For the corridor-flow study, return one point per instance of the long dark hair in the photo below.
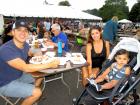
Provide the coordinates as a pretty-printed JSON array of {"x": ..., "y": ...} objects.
[
  {"x": 8, "y": 29},
  {"x": 90, "y": 39}
]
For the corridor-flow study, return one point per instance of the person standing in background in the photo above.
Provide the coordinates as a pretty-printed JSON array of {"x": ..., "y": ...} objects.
[
  {"x": 47, "y": 24},
  {"x": 110, "y": 30}
]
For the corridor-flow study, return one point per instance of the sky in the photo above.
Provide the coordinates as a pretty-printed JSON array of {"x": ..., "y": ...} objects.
[
  {"x": 90, "y": 4},
  {"x": 77, "y": 4}
]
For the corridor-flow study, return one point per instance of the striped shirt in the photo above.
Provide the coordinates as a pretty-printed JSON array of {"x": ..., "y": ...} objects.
[{"x": 115, "y": 73}]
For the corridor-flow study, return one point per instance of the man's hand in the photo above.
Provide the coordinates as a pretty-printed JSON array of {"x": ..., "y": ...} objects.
[
  {"x": 50, "y": 43},
  {"x": 54, "y": 63}
]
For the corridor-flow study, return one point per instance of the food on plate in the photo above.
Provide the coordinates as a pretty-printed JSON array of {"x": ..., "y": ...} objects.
[
  {"x": 77, "y": 59},
  {"x": 39, "y": 59},
  {"x": 45, "y": 58},
  {"x": 78, "y": 55}
]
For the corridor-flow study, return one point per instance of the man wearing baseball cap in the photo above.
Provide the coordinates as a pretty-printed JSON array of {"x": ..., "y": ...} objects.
[
  {"x": 20, "y": 23},
  {"x": 15, "y": 78}
]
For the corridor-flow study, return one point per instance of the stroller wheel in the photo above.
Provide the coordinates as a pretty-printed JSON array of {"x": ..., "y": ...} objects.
[
  {"x": 74, "y": 101},
  {"x": 129, "y": 100}
]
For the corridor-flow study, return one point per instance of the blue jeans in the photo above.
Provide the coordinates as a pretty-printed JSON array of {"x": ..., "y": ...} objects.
[{"x": 21, "y": 87}]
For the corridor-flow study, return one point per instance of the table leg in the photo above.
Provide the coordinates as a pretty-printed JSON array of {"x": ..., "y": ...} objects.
[{"x": 62, "y": 79}]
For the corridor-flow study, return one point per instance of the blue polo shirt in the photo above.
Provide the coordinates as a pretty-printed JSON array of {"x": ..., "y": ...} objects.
[
  {"x": 9, "y": 51},
  {"x": 63, "y": 38}
]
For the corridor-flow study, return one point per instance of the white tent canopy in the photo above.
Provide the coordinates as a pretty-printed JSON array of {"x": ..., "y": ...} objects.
[
  {"x": 124, "y": 21},
  {"x": 46, "y": 11}
]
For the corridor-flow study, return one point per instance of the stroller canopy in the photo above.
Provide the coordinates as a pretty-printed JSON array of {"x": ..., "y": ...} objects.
[{"x": 129, "y": 44}]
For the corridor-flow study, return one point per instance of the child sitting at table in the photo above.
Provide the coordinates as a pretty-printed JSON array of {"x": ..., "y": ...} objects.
[
  {"x": 113, "y": 73},
  {"x": 47, "y": 34}
]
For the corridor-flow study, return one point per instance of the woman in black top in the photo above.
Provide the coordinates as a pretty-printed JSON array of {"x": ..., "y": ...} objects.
[
  {"x": 97, "y": 50},
  {"x": 98, "y": 58}
]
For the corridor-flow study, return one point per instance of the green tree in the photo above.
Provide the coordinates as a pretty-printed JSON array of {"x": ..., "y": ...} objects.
[
  {"x": 114, "y": 8},
  {"x": 134, "y": 14},
  {"x": 64, "y": 3},
  {"x": 93, "y": 11}
]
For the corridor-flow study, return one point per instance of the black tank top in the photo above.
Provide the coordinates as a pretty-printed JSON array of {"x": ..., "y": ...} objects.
[{"x": 98, "y": 58}]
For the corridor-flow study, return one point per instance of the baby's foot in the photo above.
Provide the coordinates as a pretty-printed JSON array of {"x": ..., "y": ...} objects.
[
  {"x": 92, "y": 81},
  {"x": 98, "y": 87}
]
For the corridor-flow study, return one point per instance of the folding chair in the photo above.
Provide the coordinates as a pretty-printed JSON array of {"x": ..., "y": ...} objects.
[{"x": 9, "y": 101}]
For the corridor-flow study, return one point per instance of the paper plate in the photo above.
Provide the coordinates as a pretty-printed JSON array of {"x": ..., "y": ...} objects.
[
  {"x": 77, "y": 55},
  {"x": 36, "y": 60},
  {"x": 50, "y": 54},
  {"x": 78, "y": 60}
]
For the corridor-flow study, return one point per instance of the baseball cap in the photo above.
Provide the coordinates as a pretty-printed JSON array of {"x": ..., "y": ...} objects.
[{"x": 20, "y": 23}]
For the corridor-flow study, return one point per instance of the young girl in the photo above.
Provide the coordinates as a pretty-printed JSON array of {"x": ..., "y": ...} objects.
[{"x": 114, "y": 73}]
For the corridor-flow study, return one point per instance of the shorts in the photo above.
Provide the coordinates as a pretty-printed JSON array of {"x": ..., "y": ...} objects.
[{"x": 22, "y": 87}]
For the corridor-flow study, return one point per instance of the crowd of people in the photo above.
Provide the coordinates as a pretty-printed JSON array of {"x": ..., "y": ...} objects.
[{"x": 19, "y": 75}]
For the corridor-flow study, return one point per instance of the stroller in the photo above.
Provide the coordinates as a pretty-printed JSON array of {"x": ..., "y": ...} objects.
[{"x": 126, "y": 86}]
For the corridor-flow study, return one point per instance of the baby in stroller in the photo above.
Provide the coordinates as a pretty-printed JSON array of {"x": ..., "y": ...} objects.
[
  {"x": 113, "y": 73},
  {"x": 121, "y": 80}
]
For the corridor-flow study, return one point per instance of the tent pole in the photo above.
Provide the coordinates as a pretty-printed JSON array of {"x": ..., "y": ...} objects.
[{"x": 52, "y": 20}]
